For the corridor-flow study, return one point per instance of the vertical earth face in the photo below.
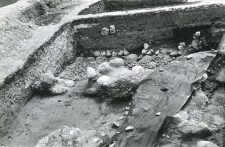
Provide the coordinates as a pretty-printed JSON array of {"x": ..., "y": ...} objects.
[
  {"x": 116, "y": 5},
  {"x": 134, "y": 73},
  {"x": 7, "y": 2}
]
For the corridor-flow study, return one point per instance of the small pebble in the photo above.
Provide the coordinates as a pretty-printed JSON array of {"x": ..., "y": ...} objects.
[
  {"x": 160, "y": 70},
  {"x": 127, "y": 108},
  {"x": 121, "y": 118},
  {"x": 67, "y": 104},
  {"x": 116, "y": 125},
  {"x": 146, "y": 109},
  {"x": 114, "y": 54},
  {"x": 112, "y": 145},
  {"x": 157, "y": 52},
  {"x": 158, "y": 114},
  {"x": 125, "y": 52},
  {"x": 189, "y": 58},
  {"x": 126, "y": 113},
  {"x": 120, "y": 53},
  {"x": 146, "y": 46},
  {"x": 104, "y": 122},
  {"x": 129, "y": 128}
]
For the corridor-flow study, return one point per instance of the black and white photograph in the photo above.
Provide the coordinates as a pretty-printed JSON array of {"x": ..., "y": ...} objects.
[{"x": 112, "y": 73}]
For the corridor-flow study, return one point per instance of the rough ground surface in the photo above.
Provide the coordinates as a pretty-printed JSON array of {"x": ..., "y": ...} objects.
[
  {"x": 165, "y": 92},
  {"x": 203, "y": 116},
  {"x": 43, "y": 115}
]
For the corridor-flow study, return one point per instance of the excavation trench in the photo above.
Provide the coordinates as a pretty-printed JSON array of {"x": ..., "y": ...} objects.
[{"x": 82, "y": 35}]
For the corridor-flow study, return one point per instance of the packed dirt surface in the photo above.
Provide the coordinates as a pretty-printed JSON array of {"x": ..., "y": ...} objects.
[{"x": 43, "y": 115}]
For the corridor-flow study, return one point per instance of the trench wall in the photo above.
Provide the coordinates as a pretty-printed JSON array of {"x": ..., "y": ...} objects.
[
  {"x": 95, "y": 8},
  {"x": 120, "y": 5},
  {"x": 116, "y": 5},
  {"x": 52, "y": 57},
  {"x": 134, "y": 29}
]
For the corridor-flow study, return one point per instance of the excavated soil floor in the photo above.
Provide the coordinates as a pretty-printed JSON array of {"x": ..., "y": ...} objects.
[{"x": 43, "y": 115}]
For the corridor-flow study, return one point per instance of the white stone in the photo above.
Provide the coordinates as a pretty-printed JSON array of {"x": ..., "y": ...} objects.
[
  {"x": 116, "y": 124},
  {"x": 206, "y": 144},
  {"x": 146, "y": 59},
  {"x": 97, "y": 53},
  {"x": 65, "y": 135},
  {"x": 103, "y": 68},
  {"x": 192, "y": 127},
  {"x": 126, "y": 113},
  {"x": 157, "y": 52},
  {"x": 69, "y": 83},
  {"x": 146, "y": 46},
  {"x": 58, "y": 89},
  {"x": 108, "y": 53},
  {"x": 120, "y": 53},
  {"x": 218, "y": 120},
  {"x": 158, "y": 114},
  {"x": 65, "y": 82},
  {"x": 204, "y": 77},
  {"x": 180, "y": 48},
  {"x": 97, "y": 141},
  {"x": 121, "y": 118},
  {"x": 117, "y": 62},
  {"x": 91, "y": 73},
  {"x": 138, "y": 69},
  {"x": 129, "y": 128},
  {"x": 105, "y": 31},
  {"x": 149, "y": 53},
  {"x": 198, "y": 33},
  {"x": 112, "y": 29},
  {"x": 144, "y": 52},
  {"x": 103, "y": 53},
  {"x": 161, "y": 70},
  {"x": 125, "y": 52},
  {"x": 174, "y": 54},
  {"x": 112, "y": 145},
  {"x": 48, "y": 78},
  {"x": 131, "y": 58},
  {"x": 104, "y": 80},
  {"x": 151, "y": 50},
  {"x": 114, "y": 54},
  {"x": 183, "y": 44},
  {"x": 182, "y": 115},
  {"x": 189, "y": 57}
]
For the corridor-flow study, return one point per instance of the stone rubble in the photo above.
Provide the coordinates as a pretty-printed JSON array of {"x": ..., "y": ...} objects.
[
  {"x": 73, "y": 137},
  {"x": 206, "y": 144},
  {"x": 117, "y": 81},
  {"x": 49, "y": 84},
  {"x": 129, "y": 128}
]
